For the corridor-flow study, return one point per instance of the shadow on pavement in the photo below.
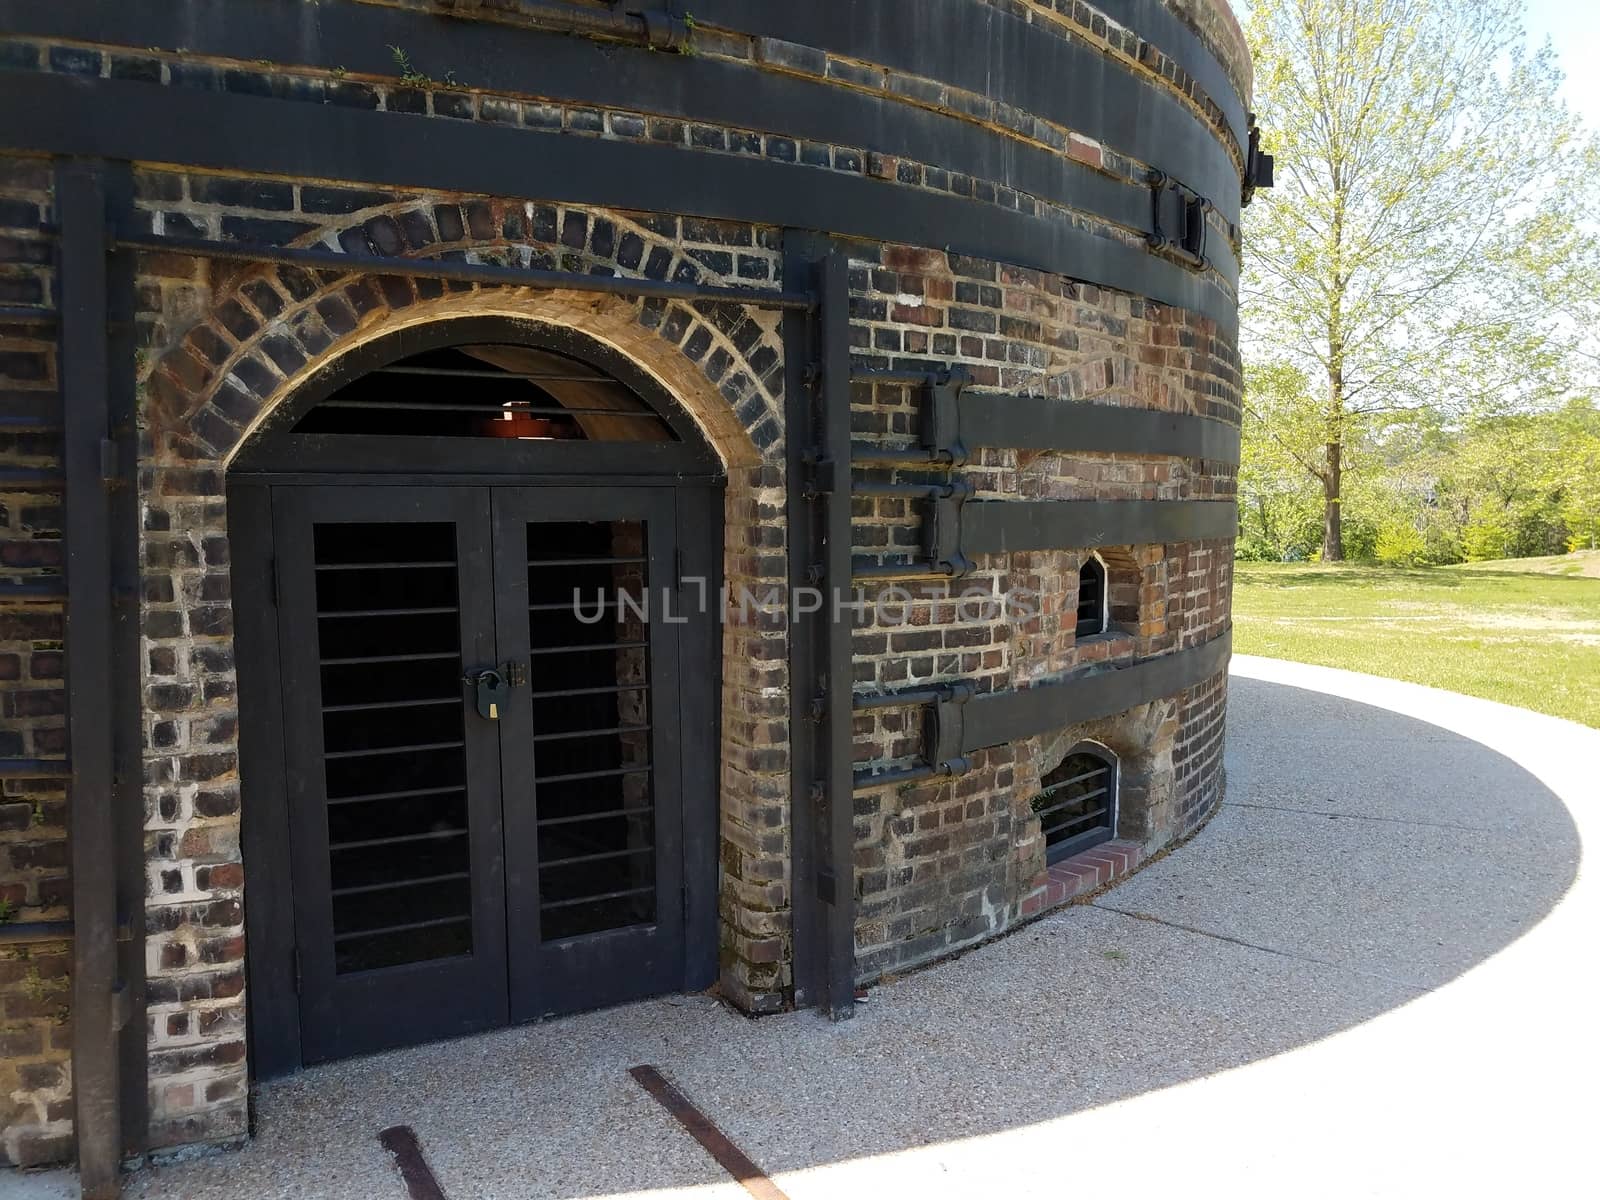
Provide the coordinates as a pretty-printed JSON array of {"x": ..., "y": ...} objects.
[{"x": 1363, "y": 859}]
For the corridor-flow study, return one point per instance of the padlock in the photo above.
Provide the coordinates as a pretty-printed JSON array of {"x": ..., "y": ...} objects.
[{"x": 491, "y": 687}]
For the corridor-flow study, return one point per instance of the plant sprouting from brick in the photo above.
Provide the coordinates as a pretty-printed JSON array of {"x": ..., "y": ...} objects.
[
  {"x": 408, "y": 73},
  {"x": 340, "y": 72},
  {"x": 412, "y": 77},
  {"x": 8, "y": 912},
  {"x": 35, "y": 987}
]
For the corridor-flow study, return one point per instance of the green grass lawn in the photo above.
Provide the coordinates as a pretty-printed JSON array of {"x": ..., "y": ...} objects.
[{"x": 1522, "y": 632}]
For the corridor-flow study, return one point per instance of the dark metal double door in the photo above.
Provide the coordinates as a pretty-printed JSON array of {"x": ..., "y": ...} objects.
[{"x": 481, "y": 744}]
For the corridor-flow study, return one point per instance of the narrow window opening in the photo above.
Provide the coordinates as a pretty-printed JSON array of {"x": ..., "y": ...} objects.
[
  {"x": 1077, "y": 802},
  {"x": 1091, "y": 597}
]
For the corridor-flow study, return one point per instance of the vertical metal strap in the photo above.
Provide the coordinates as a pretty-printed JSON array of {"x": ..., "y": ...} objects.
[
  {"x": 128, "y": 732},
  {"x": 800, "y": 250},
  {"x": 81, "y": 208},
  {"x": 836, "y": 815}
]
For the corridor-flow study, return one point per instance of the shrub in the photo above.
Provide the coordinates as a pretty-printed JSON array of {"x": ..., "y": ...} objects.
[{"x": 1399, "y": 544}]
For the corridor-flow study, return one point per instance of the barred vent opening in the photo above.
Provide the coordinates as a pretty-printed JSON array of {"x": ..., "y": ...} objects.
[
  {"x": 1091, "y": 597},
  {"x": 489, "y": 391},
  {"x": 1077, "y": 803}
]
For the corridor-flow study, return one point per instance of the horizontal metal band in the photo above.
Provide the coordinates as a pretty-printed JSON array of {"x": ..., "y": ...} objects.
[
  {"x": 322, "y": 259},
  {"x": 1040, "y": 423},
  {"x": 1001, "y": 717},
  {"x": 1010, "y": 526},
  {"x": 27, "y": 314},
  {"x": 24, "y": 933},
  {"x": 578, "y": 71},
  {"x": 1158, "y": 24},
  {"x": 141, "y": 122},
  {"x": 35, "y": 768},
  {"x": 982, "y": 49},
  {"x": 500, "y": 58}
]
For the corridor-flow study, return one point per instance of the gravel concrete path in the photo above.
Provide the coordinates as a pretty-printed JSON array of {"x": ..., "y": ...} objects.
[{"x": 1371, "y": 974}]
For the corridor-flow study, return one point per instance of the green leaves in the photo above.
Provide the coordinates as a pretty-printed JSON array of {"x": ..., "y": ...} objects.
[{"x": 1430, "y": 243}]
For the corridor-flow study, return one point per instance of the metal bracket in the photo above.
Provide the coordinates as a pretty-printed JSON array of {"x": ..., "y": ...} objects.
[
  {"x": 941, "y": 416},
  {"x": 826, "y": 478},
  {"x": 942, "y": 727},
  {"x": 941, "y": 530},
  {"x": 1257, "y": 165},
  {"x": 662, "y": 30},
  {"x": 1185, "y": 234}
]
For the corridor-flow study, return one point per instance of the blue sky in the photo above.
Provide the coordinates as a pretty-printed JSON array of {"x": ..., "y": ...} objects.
[{"x": 1573, "y": 27}]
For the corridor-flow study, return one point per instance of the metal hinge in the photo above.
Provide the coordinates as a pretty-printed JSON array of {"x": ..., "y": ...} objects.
[
  {"x": 824, "y": 477},
  {"x": 941, "y": 529},
  {"x": 943, "y": 729},
  {"x": 941, "y": 416},
  {"x": 1178, "y": 219},
  {"x": 108, "y": 460},
  {"x": 295, "y": 966}
]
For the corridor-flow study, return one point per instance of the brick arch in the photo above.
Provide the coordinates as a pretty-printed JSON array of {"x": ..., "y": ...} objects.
[
  {"x": 1141, "y": 738},
  {"x": 268, "y": 327},
  {"x": 240, "y": 341}
]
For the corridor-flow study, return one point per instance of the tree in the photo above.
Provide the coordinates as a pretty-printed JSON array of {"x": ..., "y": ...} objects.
[
  {"x": 1277, "y": 501},
  {"x": 1579, "y": 426},
  {"x": 1424, "y": 242}
]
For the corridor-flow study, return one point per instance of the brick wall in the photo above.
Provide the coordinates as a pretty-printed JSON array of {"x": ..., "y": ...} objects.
[
  {"x": 35, "y": 1087},
  {"x": 939, "y": 864},
  {"x": 944, "y": 863}
]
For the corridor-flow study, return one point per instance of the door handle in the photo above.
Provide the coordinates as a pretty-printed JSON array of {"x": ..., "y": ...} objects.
[{"x": 490, "y": 687}]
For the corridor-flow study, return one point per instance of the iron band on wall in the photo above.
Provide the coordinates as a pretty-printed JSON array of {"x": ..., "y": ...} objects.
[
  {"x": 1083, "y": 92},
  {"x": 1007, "y": 526},
  {"x": 954, "y": 417},
  {"x": 957, "y": 722},
  {"x": 956, "y": 527},
  {"x": 969, "y": 45},
  {"x": 144, "y": 122},
  {"x": 488, "y": 273},
  {"x": 1000, "y": 717}
]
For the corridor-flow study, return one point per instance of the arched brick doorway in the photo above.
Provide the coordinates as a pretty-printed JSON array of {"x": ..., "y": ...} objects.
[{"x": 478, "y": 677}]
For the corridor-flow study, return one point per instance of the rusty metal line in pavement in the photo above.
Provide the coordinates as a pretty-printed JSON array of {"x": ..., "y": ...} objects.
[
  {"x": 701, "y": 1127},
  {"x": 401, "y": 1142}
]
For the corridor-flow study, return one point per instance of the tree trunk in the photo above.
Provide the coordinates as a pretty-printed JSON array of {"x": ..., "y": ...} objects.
[
  {"x": 1332, "y": 521},
  {"x": 1333, "y": 467}
]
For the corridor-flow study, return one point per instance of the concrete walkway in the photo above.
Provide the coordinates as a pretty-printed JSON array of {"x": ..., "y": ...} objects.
[{"x": 1371, "y": 974}]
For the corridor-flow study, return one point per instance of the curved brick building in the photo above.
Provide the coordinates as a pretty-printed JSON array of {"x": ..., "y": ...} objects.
[{"x": 513, "y": 506}]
